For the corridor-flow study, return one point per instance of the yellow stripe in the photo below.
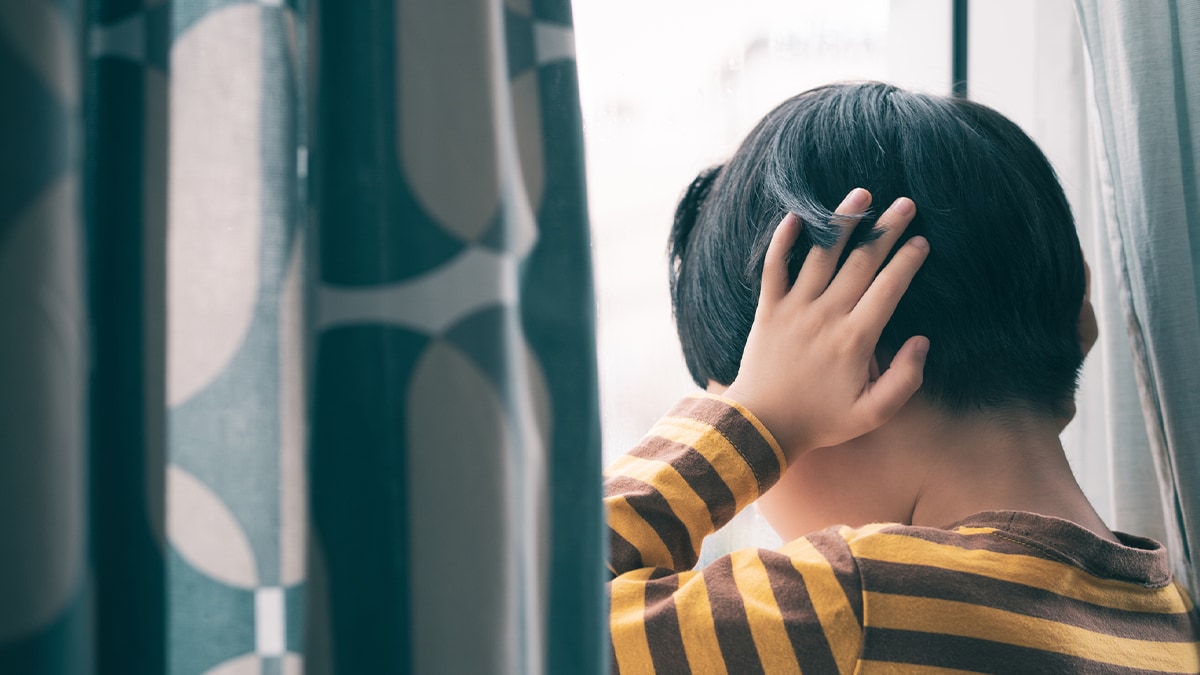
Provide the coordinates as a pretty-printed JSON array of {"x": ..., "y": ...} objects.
[
  {"x": 687, "y": 505},
  {"x": 750, "y": 417},
  {"x": 627, "y": 622},
  {"x": 829, "y": 601},
  {"x": 1056, "y": 577},
  {"x": 635, "y": 530},
  {"x": 968, "y": 620},
  {"x": 713, "y": 446},
  {"x": 762, "y": 613},
  {"x": 1183, "y": 595},
  {"x": 851, "y": 533},
  {"x": 974, "y": 530},
  {"x": 893, "y": 668},
  {"x": 696, "y": 625}
]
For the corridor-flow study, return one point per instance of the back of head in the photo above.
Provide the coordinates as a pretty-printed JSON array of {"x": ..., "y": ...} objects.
[{"x": 1000, "y": 293}]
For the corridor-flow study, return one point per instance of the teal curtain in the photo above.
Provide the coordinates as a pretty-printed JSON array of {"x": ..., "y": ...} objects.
[
  {"x": 44, "y": 343},
  {"x": 297, "y": 349},
  {"x": 1144, "y": 61}
]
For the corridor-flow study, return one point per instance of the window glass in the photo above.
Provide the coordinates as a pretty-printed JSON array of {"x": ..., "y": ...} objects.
[{"x": 668, "y": 88}]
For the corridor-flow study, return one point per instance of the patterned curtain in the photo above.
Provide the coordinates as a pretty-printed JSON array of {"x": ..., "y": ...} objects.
[{"x": 296, "y": 362}]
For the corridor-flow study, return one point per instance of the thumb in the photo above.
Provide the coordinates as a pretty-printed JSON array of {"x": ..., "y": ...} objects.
[{"x": 884, "y": 397}]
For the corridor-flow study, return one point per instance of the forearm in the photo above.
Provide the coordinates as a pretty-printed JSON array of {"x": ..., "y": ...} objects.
[
  {"x": 701, "y": 464},
  {"x": 773, "y": 611},
  {"x": 754, "y": 610}
]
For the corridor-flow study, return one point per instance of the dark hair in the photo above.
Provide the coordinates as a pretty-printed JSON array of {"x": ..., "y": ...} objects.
[{"x": 1000, "y": 294}]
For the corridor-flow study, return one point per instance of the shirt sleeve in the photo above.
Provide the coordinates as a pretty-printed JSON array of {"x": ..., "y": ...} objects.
[{"x": 751, "y": 611}]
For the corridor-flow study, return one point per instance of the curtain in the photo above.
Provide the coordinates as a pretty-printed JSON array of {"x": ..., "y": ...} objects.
[
  {"x": 297, "y": 365},
  {"x": 1145, "y": 70}
]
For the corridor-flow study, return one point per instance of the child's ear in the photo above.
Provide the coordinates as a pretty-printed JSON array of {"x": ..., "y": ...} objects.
[{"x": 1089, "y": 331}]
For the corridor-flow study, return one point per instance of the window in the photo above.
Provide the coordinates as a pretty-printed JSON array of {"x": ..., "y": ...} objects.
[{"x": 669, "y": 87}]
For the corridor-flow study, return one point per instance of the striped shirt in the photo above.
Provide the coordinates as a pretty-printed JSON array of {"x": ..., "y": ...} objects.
[{"x": 1006, "y": 592}]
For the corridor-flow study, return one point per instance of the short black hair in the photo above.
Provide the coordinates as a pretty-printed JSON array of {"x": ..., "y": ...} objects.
[{"x": 1000, "y": 294}]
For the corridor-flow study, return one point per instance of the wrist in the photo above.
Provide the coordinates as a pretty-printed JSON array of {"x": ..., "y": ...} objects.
[{"x": 774, "y": 423}]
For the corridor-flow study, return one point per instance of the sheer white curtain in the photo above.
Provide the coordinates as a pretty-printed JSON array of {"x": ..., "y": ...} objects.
[
  {"x": 1109, "y": 90},
  {"x": 1145, "y": 67}
]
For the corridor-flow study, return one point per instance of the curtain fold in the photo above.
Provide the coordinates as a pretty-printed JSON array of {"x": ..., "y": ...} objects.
[
  {"x": 1145, "y": 68},
  {"x": 125, "y": 208},
  {"x": 44, "y": 587},
  {"x": 235, "y": 423},
  {"x": 297, "y": 365}
]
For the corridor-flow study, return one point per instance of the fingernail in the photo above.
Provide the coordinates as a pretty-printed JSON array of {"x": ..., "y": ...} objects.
[
  {"x": 922, "y": 347},
  {"x": 903, "y": 206},
  {"x": 919, "y": 242},
  {"x": 857, "y": 198}
]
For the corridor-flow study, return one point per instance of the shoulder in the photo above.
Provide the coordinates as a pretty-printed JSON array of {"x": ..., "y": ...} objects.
[
  {"x": 893, "y": 559},
  {"x": 900, "y": 542},
  {"x": 916, "y": 556},
  {"x": 897, "y": 543}
]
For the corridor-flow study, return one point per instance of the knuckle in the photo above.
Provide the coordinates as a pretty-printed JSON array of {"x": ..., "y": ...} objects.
[
  {"x": 855, "y": 345},
  {"x": 819, "y": 256},
  {"x": 862, "y": 263},
  {"x": 914, "y": 381},
  {"x": 876, "y": 416},
  {"x": 887, "y": 285},
  {"x": 914, "y": 254}
]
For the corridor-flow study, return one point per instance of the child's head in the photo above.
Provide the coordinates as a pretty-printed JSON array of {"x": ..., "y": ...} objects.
[{"x": 999, "y": 296}]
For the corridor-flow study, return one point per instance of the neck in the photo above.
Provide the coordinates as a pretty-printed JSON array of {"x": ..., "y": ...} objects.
[
  {"x": 927, "y": 468},
  {"x": 963, "y": 466}
]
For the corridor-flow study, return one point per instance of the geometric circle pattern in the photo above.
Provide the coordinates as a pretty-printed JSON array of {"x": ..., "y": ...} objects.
[{"x": 405, "y": 397}]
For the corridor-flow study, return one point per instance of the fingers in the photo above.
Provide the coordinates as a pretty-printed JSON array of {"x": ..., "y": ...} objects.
[
  {"x": 884, "y": 397},
  {"x": 821, "y": 263},
  {"x": 876, "y": 306},
  {"x": 775, "y": 268},
  {"x": 862, "y": 263}
]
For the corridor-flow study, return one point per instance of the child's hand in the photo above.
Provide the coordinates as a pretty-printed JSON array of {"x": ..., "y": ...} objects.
[{"x": 807, "y": 370}]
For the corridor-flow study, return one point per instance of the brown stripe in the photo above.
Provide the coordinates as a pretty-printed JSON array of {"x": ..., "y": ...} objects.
[
  {"x": 934, "y": 582},
  {"x": 834, "y": 548},
  {"x": 743, "y": 435},
  {"x": 1135, "y": 559},
  {"x": 799, "y": 617},
  {"x": 973, "y": 654},
  {"x": 659, "y": 448},
  {"x": 697, "y": 472},
  {"x": 623, "y": 555},
  {"x": 654, "y": 508},
  {"x": 968, "y": 542},
  {"x": 729, "y": 616},
  {"x": 662, "y": 627}
]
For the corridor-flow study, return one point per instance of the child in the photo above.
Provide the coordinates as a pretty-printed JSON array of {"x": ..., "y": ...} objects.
[{"x": 891, "y": 390}]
